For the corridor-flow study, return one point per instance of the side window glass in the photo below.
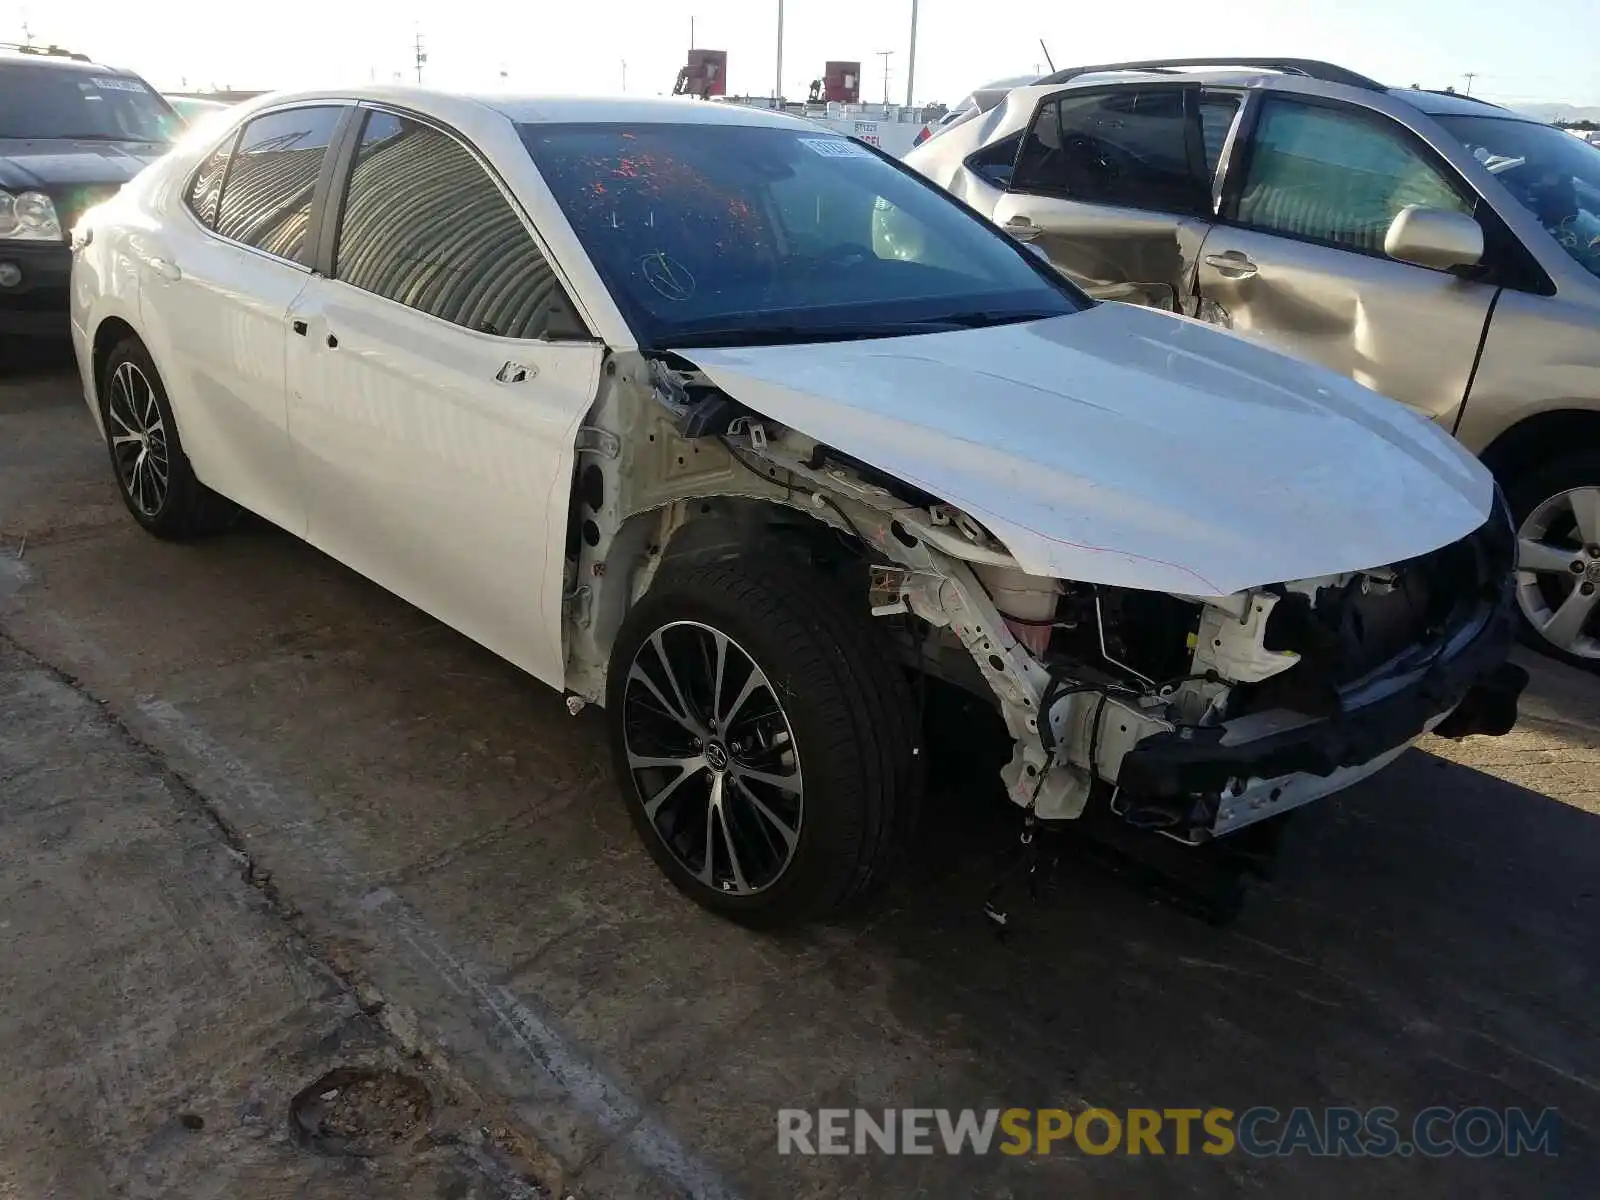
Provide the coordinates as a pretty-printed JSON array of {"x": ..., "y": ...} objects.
[
  {"x": 994, "y": 162},
  {"x": 1217, "y": 113},
  {"x": 206, "y": 187},
  {"x": 266, "y": 195},
  {"x": 1334, "y": 176},
  {"x": 425, "y": 226},
  {"x": 1128, "y": 148}
]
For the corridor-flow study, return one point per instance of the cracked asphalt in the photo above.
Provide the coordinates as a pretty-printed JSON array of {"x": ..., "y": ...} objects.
[{"x": 259, "y": 819}]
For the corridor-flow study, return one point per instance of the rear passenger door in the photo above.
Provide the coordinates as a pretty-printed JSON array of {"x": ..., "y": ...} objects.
[
  {"x": 438, "y": 374},
  {"x": 216, "y": 282},
  {"x": 1115, "y": 186},
  {"x": 1297, "y": 257}
]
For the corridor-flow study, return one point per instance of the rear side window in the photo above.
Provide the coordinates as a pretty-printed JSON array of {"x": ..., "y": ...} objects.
[
  {"x": 266, "y": 193},
  {"x": 1128, "y": 147},
  {"x": 994, "y": 162},
  {"x": 1336, "y": 176},
  {"x": 205, "y": 189},
  {"x": 425, "y": 226}
]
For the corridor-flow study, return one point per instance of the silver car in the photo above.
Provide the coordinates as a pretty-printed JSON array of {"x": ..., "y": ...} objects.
[{"x": 1437, "y": 248}]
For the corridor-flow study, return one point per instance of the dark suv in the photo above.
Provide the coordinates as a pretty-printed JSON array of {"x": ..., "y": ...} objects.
[{"x": 71, "y": 133}]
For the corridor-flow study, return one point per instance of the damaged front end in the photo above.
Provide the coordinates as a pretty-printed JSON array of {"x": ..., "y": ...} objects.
[
  {"x": 1291, "y": 692},
  {"x": 1195, "y": 717},
  {"x": 1191, "y": 715}
]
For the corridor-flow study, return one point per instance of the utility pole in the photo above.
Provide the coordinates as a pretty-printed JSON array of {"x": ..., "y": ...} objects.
[
  {"x": 911, "y": 66},
  {"x": 884, "y": 54},
  {"x": 691, "y": 33},
  {"x": 777, "y": 85},
  {"x": 422, "y": 57},
  {"x": 1470, "y": 76}
]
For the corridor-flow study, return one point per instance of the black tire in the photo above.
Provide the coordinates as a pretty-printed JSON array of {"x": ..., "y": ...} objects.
[
  {"x": 184, "y": 507},
  {"x": 1525, "y": 493},
  {"x": 849, "y": 708}
]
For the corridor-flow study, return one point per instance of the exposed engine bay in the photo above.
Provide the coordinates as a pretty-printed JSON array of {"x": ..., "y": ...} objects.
[{"x": 1194, "y": 715}]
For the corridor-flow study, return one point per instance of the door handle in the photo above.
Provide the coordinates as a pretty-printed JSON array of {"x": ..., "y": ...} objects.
[
  {"x": 1235, "y": 264},
  {"x": 515, "y": 372},
  {"x": 1022, "y": 228},
  {"x": 299, "y": 327}
]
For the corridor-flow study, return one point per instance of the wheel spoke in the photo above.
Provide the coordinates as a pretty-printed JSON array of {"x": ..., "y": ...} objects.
[
  {"x": 707, "y": 874},
  {"x": 716, "y": 678},
  {"x": 751, "y": 685},
  {"x": 739, "y": 881},
  {"x": 667, "y": 709},
  {"x": 686, "y": 714},
  {"x": 788, "y": 833},
  {"x": 1586, "y": 512},
  {"x": 1542, "y": 557},
  {"x": 687, "y": 768},
  {"x": 784, "y": 783},
  {"x": 1566, "y": 626},
  {"x": 116, "y": 413}
]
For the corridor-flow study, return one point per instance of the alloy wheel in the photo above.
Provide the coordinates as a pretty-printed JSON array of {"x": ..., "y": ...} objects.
[
  {"x": 1558, "y": 571},
  {"x": 138, "y": 439},
  {"x": 713, "y": 758}
]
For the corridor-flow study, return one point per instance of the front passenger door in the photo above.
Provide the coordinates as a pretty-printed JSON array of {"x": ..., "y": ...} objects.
[
  {"x": 437, "y": 380},
  {"x": 1298, "y": 258},
  {"x": 1113, "y": 185}
]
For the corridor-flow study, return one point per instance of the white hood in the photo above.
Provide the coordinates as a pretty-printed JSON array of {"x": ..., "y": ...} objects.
[{"x": 1128, "y": 447}]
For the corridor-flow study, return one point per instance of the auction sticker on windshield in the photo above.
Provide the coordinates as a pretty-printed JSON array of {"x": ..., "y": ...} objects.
[{"x": 836, "y": 147}]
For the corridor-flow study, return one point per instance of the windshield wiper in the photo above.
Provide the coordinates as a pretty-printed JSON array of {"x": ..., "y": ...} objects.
[
  {"x": 785, "y": 335},
  {"x": 779, "y": 335},
  {"x": 978, "y": 318}
]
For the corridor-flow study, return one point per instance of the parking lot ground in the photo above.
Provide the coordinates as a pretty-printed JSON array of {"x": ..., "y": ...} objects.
[{"x": 445, "y": 841}]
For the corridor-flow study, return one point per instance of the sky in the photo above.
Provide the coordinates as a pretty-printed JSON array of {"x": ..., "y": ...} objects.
[{"x": 1533, "y": 51}]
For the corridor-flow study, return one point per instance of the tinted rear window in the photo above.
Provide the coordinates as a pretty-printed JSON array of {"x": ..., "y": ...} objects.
[{"x": 39, "y": 100}]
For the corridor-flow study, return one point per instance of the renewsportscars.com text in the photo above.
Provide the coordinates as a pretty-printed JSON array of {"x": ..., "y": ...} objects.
[{"x": 1260, "y": 1132}]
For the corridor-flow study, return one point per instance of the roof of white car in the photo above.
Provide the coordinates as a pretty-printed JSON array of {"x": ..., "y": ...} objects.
[
  {"x": 633, "y": 110},
  {"x": 593, "y": 110}
]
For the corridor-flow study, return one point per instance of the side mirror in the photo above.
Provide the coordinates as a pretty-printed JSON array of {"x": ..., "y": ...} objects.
[{"x": 1434, "y": 237}]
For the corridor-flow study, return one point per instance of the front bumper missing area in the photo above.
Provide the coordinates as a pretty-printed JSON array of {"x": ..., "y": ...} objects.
[{"x": 1201, "y": 782}]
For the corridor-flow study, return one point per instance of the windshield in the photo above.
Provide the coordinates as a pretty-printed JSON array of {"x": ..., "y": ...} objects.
[
  {"x": 724, "y": 234},
  {"x": 1551, "y": 173},
  {"x": 46, "y": 101}
]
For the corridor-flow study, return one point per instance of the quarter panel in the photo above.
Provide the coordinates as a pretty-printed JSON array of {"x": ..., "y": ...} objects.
[{"x": 1542, "y": 353}]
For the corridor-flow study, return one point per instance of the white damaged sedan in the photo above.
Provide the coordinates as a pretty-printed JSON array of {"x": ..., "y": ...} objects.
[{"x": 734, "y": 427}]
